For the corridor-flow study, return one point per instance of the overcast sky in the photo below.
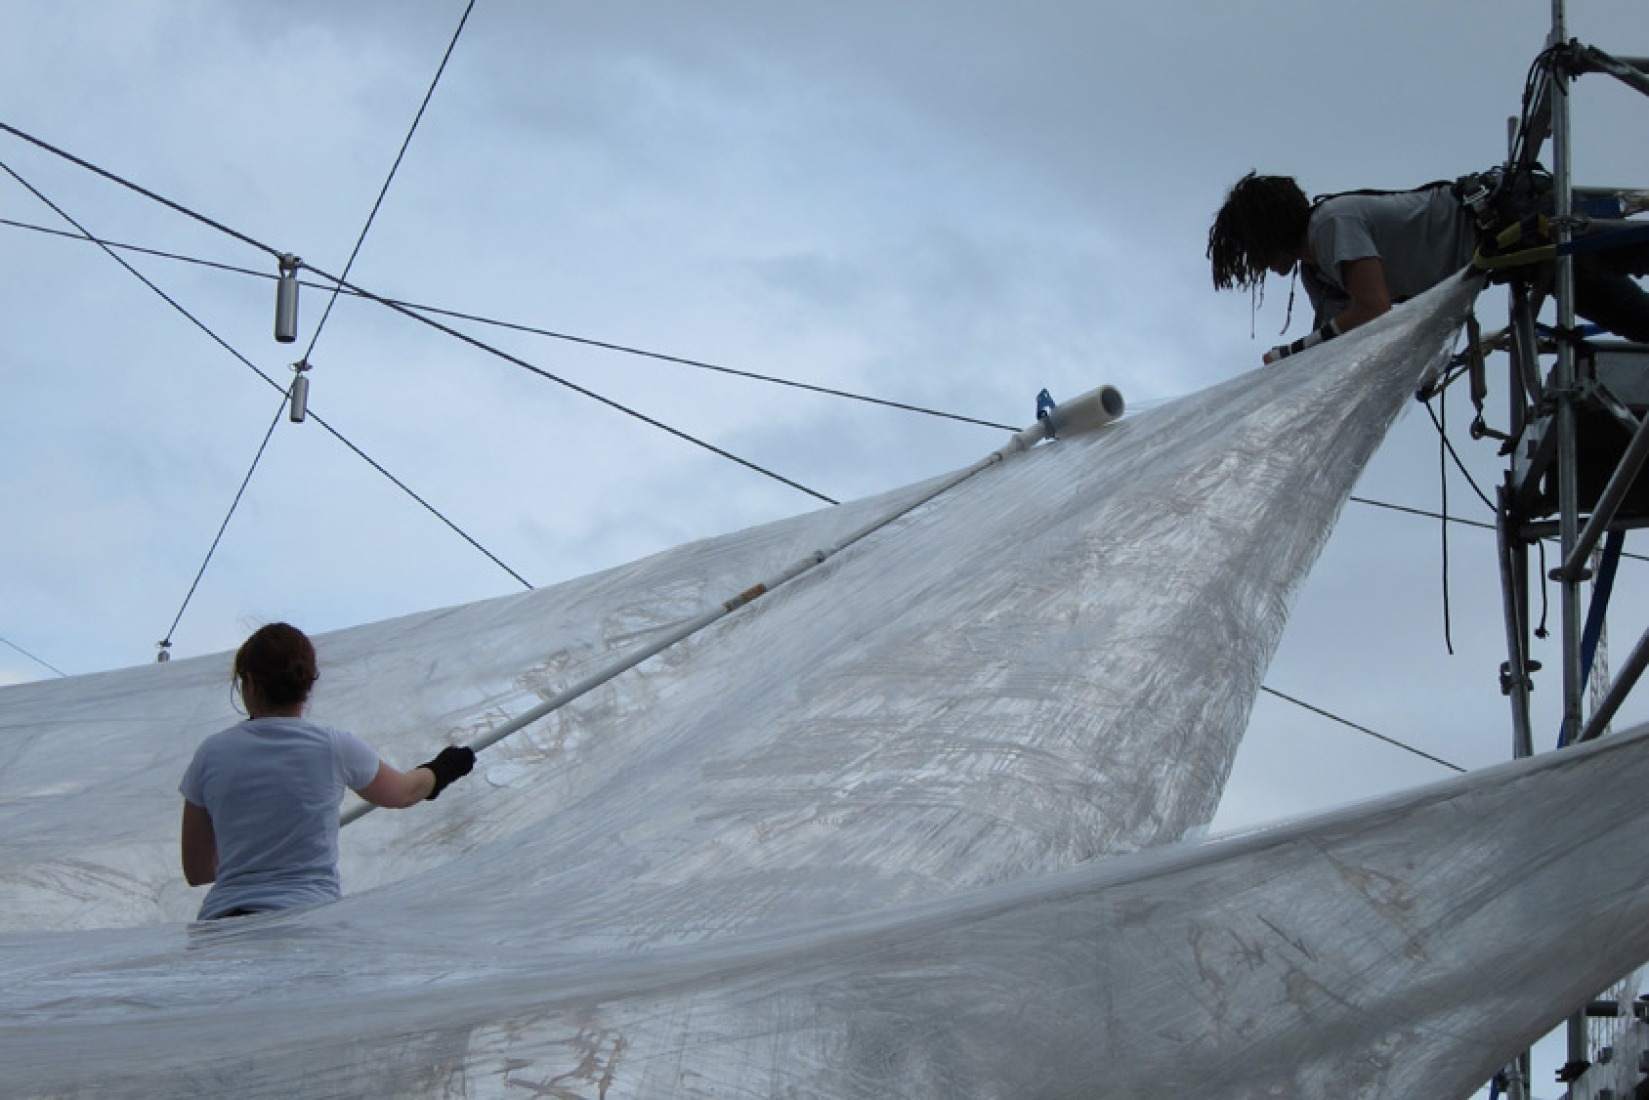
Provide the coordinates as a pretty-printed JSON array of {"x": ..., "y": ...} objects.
[{"x": 951, "y": 205}]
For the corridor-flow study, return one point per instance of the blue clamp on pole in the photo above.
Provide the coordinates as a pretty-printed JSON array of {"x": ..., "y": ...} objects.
[{"x": 1045, "y": 406}]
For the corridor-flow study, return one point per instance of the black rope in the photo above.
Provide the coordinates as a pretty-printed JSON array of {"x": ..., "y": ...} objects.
[
  {"x": 166, "y": 642},
  {"x": 104, "y": 243},
  {"x": 110, "y": 252},
  {"x": 1545, "y": 606},
  {"x": 430, "y": 508},
  {"x": 603, "y": 345},
  {"x": 617, "y": 406},
  {"x": 1521, "y": 154},
  {"x": 414, "y": 311},
  {"x": 1361, "y": 729},
  {"x": 472, "y": 341},
  {"x": 1459, "y": 465},
  {"x": 144, "y": 191},
  {"x": 1443, "y": 504},
  {"x": 701, "y": 365},
  {"x": 393, "y": 168},
  {"x": 479, "y": 319},
  {"x": 1457, "y": 368},
  {"x": 39, "y": 661},
  {"x": 1455, "y": 520},
  {"x": 1423, "y": 513},
  {"x": 255, "y": 369}
]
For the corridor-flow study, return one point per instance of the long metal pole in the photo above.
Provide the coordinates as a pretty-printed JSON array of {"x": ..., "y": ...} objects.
[
  {"x": 1618, "y": 691},
  {"x": 1568, "y": 480},
  {"x": 1091, "y": 409},
  {"x": 1614, "y": 493},
  {"x": 1567, "y": 467}
]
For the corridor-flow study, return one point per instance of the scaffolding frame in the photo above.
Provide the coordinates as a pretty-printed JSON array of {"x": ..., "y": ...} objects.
[{"x": 1588, "y": 381}]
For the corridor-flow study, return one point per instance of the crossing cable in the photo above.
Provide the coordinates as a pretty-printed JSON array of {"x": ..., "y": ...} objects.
[
  {"x": 456, "y": 314},
  {"x": 702, "y": 365},
  {"x": 264, "y": 446},
  {"x": 166, "y": 642},
  {"x": 472, "y": 341},
  {"x": 532, "y": 368},
  {"x": 1421, "y": 512},
  {"x": 531, "y": 330},
  {"x": 254, "y": 368},
  {"x": 413, "y": 311},
  {"x": 1457, "y": 520},
  {"x": 1361, "y": 729},
  {"x": 37, "y": 660},
  {"x": 141, "y": 250},
  {"x": 238, "y": 270},
  {"x": 144, "y": 191},
  {"x": 416, "y": 312},
  {"x": 393, "y": 168}
]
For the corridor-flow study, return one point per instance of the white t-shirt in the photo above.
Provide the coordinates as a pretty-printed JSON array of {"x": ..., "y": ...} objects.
[{"x": 273, "y": 787}]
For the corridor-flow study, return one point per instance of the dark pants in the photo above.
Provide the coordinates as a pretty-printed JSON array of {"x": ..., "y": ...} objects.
[{"x": 1606, "y": 293}]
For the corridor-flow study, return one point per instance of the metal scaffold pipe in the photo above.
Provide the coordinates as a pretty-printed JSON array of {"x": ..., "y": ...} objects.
[{"x": 1609, "y": 502}]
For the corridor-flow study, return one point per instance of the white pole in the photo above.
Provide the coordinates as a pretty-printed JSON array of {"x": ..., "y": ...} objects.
[{"x": 1085, "y": 413}]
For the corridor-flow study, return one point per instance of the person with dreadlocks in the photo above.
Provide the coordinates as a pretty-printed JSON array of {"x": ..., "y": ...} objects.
[
  {"x": 1355, "y": 254},
  {"x": 1358, "y": 253}
]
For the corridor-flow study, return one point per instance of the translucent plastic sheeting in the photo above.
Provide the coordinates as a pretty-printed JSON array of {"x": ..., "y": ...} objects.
[
  {"x": 858, "y": 838},
  {"x": 1403, "y": 949}
]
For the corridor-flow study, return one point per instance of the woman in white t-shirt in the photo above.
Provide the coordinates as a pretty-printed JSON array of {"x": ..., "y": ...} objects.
[{"x": 261, "y": 798}]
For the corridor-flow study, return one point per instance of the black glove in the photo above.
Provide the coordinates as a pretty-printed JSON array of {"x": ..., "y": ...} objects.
[{"x": 452, "y": 762}]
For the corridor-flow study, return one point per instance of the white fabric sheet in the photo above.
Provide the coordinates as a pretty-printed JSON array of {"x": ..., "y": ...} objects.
[{"x": 865, "y": 837}]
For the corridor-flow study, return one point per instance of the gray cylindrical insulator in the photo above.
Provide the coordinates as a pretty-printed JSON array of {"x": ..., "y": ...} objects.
[
  {"x": 286, "y": 305},
  {"x": 300, "y": 398}
]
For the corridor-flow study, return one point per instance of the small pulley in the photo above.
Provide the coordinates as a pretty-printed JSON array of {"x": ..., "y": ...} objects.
[{"x": 1045, "y": 405}]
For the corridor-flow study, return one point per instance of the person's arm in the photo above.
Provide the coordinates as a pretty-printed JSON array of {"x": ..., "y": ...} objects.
[
  {"x": 394, "y": 789},
  {"x": 1365, "y": 283},
  {"x": 200, "y": 846}
]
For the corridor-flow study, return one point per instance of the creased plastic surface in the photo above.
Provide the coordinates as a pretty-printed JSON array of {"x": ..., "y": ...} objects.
[{"x": 859, "y": 839}]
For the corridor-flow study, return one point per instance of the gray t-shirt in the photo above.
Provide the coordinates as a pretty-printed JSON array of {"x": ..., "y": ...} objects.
[
  {"x": 1420, "y": 237},
  {"x": 273, "y": 787}
]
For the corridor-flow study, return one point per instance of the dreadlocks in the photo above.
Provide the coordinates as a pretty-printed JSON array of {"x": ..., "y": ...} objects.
[{"x": 1263, "y": 217}]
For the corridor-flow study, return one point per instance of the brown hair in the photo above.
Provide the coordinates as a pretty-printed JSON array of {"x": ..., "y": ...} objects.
[
  {"x": 280, "y": 660},
  {"x": 1263, "y": 216}
]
